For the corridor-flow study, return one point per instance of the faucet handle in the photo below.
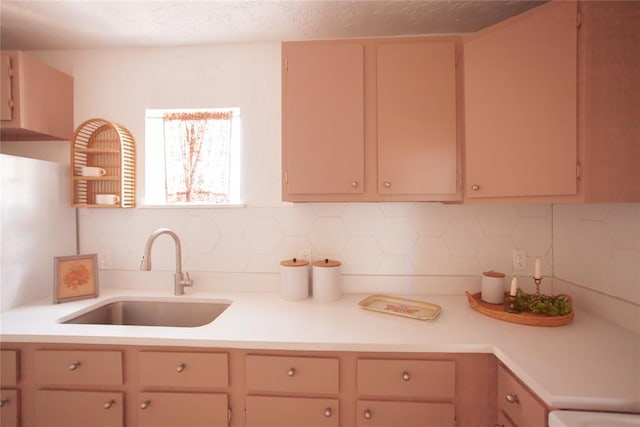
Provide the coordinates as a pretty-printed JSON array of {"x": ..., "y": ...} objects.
[{"x": 186, "y": 280}]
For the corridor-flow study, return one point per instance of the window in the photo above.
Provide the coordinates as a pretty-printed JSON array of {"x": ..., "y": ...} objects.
[{"x": 192, "y": 156}]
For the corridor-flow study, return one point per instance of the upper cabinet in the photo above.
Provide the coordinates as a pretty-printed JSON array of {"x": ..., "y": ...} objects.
[
  {"x": 323, "y": 118},
  {"x": 37, "y": 100},
  {"x": 609, "y": 100},
  {"x": 416, "y": 117},
  {"x": 371, "y": 120},
  {"x": 520, "y": 83}
]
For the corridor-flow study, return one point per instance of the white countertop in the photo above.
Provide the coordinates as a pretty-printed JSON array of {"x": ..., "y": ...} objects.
[{"x": 588, "y": 364}]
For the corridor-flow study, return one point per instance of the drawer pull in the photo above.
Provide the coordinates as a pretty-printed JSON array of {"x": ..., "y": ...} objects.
[
  {"x": 180, "y": 367},
  {"x": 512, "y": 398},
  {"x": 109, "y": 404},
  {"x": 354, "y": 184},
  {"x": 475, "y": 187},
  {"x": 367, "y": 414},
  {"x": 291, "y": 372},
  {"x": 145, "y": 404},
  {"x": 328, "y": 412},
  {"x": 4, "y": 402},
  {"x": 406, "y": 376},
  {"x": 74, "y": 366}
]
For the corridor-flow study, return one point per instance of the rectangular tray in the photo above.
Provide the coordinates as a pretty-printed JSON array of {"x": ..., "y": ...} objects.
[{"x": 414, "y": 309}]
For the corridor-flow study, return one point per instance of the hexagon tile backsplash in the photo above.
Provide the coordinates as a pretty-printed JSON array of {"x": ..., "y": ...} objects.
[{"x": 368, "y": 238}]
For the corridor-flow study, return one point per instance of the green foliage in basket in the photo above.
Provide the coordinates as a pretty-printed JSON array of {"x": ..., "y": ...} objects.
[{"x": 549, "y": 305}]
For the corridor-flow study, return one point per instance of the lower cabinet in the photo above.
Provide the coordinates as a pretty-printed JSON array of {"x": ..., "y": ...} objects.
[
  {"x": 68, "y": 385},
  {"x": 63, "y": 408},
  {"x": 9, "y": 408},
  {"x": 182, "y": 409},
  {"x": 517, "y": 406},
  {"x": 377, "y": 413},
  {"x": 269, "y": 411}
]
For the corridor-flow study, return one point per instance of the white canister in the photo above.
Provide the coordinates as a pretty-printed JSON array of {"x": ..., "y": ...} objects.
[
  {"x": 294, "y": 279},
  {"x": 492, "y": 287},
  {"x": 326, "y": 280}
]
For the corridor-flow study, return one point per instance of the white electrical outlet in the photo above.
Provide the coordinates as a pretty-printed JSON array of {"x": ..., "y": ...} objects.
[{"x": 519, "y": 259}]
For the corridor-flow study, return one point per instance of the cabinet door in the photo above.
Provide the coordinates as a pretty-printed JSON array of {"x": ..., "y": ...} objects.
[
  {"x": 9, "y": 408},
  {"x": 406, "y": 378},
  {"x": 323, "y": 118},
  {"x": 372, "y": 413},
  {"x": 62, "y": 367},
  {"x": 6, "y": 95},
  {"x": 518, "y": 403},
  {"x": 182, "y": 409},
  {"x": 520, "y": 105},
  {"x": 319, "y": 375},
  {"x": 262, "y": 411},
  {"x": 56, "y": 408},
  {"x": 180, "y": 369},
  {"x": 416, "y": 104},
  {"x": 9, "y": 368}
]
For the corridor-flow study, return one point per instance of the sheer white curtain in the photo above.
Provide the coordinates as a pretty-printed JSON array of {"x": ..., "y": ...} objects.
[{"x": 197, "y": 156}]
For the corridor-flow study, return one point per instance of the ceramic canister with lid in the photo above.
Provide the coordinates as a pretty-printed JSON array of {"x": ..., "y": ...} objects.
[
  {"x": 492, "y": 287},
  {"x": 294, "y": 279},
  {"x": 326, "y": 280}
]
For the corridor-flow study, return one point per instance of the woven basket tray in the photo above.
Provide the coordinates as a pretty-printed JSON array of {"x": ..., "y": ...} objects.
[{"x": 525, "y": 318}]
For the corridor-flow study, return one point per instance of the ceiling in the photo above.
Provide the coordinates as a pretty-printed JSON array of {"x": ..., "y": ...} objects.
[{"x": 88, "y": 24}]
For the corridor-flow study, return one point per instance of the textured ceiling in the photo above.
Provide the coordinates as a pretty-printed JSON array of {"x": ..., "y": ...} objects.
[{"x": 32, "y": 25}]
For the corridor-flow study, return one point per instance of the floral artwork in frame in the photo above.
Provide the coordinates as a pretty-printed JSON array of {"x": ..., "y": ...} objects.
[{"x": 75, "y": 277}]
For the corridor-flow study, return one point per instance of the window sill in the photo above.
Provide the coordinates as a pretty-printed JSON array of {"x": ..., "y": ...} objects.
[{"x": 190, "y": 206}]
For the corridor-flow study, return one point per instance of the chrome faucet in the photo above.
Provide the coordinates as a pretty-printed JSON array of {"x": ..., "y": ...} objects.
[{"x": 180, "y": 279}]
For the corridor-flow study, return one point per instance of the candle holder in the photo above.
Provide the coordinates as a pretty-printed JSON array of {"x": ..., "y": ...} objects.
[
  {"x": 537, "y": 281},
  {"x": 510, "y": 306}
]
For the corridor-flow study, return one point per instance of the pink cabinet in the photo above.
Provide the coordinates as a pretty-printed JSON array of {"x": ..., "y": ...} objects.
[
  {"x": 9, "y": 408},
  {"x": 63, "y": 408},
  {"x": 270, "y": 411},
  {"x": 37, "y": 100},
  {"x": 516, "y": 404},
  {"x": 183, "y": 369},
  {"x": 78, "y": 367},
  {"x": 520, "y": 83},
  {"x": 371, "y": 120},
  {"x": 162, "y": 409},
  {"x": 417, "y": 118},
  {"x": 317, "y": 375},
  {"x": 323, "y": 118},
  {"x": 406, "y": 414}
]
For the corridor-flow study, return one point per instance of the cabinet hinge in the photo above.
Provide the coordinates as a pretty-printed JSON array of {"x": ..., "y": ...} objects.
[
  {"x": 578, "y": 19},
  {"x": 229, "y": 415},
  {"x": 286, "y": 177},
  {"x": 577, "y": 170},
  {"x": 286, "y": 64}
]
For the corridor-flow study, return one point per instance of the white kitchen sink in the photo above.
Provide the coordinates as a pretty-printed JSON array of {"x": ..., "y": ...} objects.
[{"x": 592, "y": 419}]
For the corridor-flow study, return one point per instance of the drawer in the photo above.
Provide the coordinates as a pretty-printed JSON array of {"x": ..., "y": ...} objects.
[
  {"x": 9, "y": 368},
  {"x": 517, "y": 402},
  {"x": 406, "y": 378},
  {"x": 292, "y": 374},
  {"x": 378, "y": 413},
  {"x": 182, "y": 409},
  {"x": 78, "y": 367},
  {"x": 9, "y": 408},
  {"x": 57, "y": 408},
  {"x": 263, "y": 411},
  {"x": 183, "y": 369}
]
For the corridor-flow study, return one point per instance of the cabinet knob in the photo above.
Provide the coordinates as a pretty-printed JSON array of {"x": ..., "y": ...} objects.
[
  {"x": 180, "y": 367},
  {"x": 406, "y": 376},
  {"x": 109, "y": 404},
  {"x": 475, "y": 187},
  {"x": 4, "y": 402},
  {"x": 328, "y": 412},
  {"x": 387, "y": 184},
  {"x": 291, "y": 372},
  {"x": 145, "y": 404},
  {"x": 74, "y": 366},
  {"x": 512, "y": 398},
  {"x": 367, "y": 414},
  {"x": 354, "y": 184}
]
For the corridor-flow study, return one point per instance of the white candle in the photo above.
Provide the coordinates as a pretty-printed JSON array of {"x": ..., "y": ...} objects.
[
  {"x": 514, "y": 286},
  {"x": 536, "y": 274}
]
